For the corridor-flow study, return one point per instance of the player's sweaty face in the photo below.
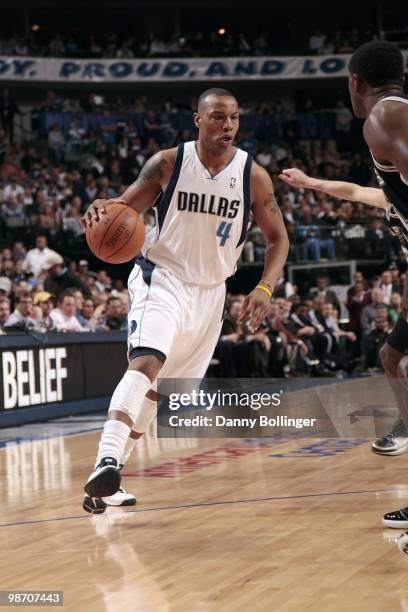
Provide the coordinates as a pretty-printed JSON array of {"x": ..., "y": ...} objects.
[{"x": 219, "y": 121}]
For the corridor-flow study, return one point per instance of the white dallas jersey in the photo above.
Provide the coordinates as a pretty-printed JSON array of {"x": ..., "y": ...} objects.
[{"x": 202, "y": 221}]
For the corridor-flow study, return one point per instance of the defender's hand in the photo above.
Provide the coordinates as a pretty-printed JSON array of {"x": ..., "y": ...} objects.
[
  {"x": 255, "y": 309},
  {"x": 296, "y": 178}
]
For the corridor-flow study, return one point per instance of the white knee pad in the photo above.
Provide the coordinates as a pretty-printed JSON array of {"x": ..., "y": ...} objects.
[{"x": 130, "y": 393}]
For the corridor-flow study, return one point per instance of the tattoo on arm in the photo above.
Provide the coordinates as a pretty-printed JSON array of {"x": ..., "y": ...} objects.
[
  {"x": 270, "y": 204},
  {"x": 152, "y": 170}
]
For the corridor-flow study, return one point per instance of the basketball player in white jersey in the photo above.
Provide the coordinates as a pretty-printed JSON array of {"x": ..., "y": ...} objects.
[{"x": 208, "y": 189}]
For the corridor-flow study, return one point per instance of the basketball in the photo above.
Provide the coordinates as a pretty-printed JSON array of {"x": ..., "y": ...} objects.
[{"x": 118, "y": 236}]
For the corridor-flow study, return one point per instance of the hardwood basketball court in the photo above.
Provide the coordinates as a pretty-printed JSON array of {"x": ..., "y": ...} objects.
[{"x": 221, "y": 525}]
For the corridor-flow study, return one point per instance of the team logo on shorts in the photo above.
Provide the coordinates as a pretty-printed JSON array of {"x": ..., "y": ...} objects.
[
  {"x": 232, "y": 182},
  {"x": 132, "y": 326}
]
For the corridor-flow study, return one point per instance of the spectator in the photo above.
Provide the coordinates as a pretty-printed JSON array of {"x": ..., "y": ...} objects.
[
  {"x": 308, "y": 331},
  {"x": 395, "y": 307},
  {"x": 23, "y": 315},
  {"x": 103, "y": 281},
  {"x": 87, "y": 312},
  {"x": 12, "y": 189},
  {"x": 76, "y": 133},
  {"x": 239, "y": 353},
  {"x": 64, "y": 315},
  {"x": 56, "y": 143},
  {"x": 358, "y": 278},
  {"x": 316, "y": 42},
  {"x": 4, "y": 311},
  {"x": 387, "y": 286},
  {"x": 36, "y": 257},
  {"x": 8, "y": 110},
  {"x": 344, "y": 118},
  {"x": 378, "y": 239},
  {"x": 19, "y": 252},
  {"x": 5, "y": 286},
  {"x": 355, "y": 304},
  {"x": 43, "y": 306},
  {"x": 369, "y": 312},
  {"x": 309, "y": 239},
  {"x": 114, "y": 319},
  {"x": 59, "y": 278},
  {"x": 375, "y": 340},
  {"x": 323, "y": 291}
]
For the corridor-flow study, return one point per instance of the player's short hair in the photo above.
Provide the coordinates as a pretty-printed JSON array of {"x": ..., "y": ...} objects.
[
  {"x": 378, "y": 63},
  {"x": 213, "y": 91}
]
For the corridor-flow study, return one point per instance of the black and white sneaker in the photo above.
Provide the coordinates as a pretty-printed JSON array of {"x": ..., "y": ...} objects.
[
  {"x": 394, "y": 443},
  {"x": 120, "y": 498},
  {"x": 403, "y": 542},
  {"x": 397, "y": 519},
  {"x": 104, "y": 480}
]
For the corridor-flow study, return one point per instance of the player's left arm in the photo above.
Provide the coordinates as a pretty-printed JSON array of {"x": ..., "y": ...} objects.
[{"x": 269, "y": 218}]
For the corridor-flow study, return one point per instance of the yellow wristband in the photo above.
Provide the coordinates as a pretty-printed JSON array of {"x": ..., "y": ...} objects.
[
  {"x": 266, "y": 284},
  {"x": 268, "y": 291}
]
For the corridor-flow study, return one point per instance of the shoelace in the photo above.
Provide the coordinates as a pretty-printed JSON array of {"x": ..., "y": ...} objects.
[{"x": 389, "y": 437}]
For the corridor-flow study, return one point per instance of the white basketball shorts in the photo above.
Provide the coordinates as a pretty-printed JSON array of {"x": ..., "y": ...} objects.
[{"x": 179, "y": 320}]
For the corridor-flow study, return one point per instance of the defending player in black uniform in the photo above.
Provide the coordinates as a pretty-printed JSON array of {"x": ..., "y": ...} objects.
[
  {"x": 376, "y": 75},
  {"x": 395, "y": 442}
]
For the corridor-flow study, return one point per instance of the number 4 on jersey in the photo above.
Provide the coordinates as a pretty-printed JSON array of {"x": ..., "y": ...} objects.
[{"x": 223, "y": 232}]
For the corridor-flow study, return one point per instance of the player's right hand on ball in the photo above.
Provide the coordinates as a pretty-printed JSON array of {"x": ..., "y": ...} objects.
[
  {"x": 97, "y": 210},
  {"x": 295, "y": 177}
]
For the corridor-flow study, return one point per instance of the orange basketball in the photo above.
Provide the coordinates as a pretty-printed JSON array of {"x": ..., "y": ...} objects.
[{"x": 118, "y": 236}]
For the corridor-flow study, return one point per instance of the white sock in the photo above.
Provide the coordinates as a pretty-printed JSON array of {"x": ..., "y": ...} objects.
[
  {"x": 114, "y": 437},
  {"x": 149, "y": 410}
]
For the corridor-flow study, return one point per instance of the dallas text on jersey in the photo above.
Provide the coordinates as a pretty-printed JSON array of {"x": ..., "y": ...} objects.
[{"x": 207, "y": 204}]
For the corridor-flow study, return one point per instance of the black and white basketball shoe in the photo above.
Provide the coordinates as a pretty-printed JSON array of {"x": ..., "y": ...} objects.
[
  {"x": 394, "y": 443},
  {"x": 104, "y": 480},
  {"x": 397, "y": 519},
  {"x": 403, "y": 543},
  {"x": 97, "y": 505}
]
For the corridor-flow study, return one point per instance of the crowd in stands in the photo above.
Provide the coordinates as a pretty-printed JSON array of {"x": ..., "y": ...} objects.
[
  {"x": 40, "y": 292},
  {"x": 342, "y": 41},
  {"x": 88, "y": 149},
  {"x": 91, "y": 148},
  {"x": 221, "y": 43},
  {"x": 303, "y": 335}
]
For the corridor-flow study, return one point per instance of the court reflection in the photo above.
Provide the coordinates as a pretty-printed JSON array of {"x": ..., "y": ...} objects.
[
  {"x": 36, "y": 465},
  {"x": 131, "y": 585}
]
